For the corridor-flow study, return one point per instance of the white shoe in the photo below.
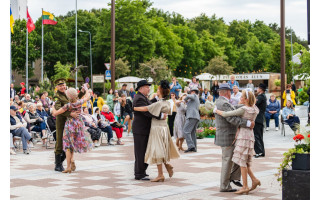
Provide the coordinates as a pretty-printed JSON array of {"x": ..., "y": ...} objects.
[
  {"x": 277, "y": 128},
  {"x": 96, "y": 144},
  {"x": 267, "y": 128},
  {"x": 26, "y": 151},
  {"x": 12, "y": 152},
  {"x": 30, "y": 145}
]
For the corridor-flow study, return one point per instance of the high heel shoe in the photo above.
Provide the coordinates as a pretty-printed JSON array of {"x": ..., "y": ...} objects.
[
  {"x": 242, "y": 191},
  {"x": 158, "y": 179},
  {"x": 67, "y": 171},
  {"x": 255, "y": 184},
  {"x": 73, "y": 166},
  {"x": 169, "y": 169}
]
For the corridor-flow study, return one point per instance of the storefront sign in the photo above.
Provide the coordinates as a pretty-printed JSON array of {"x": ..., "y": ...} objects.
[
  {"x": 98, "y": 78},
  {"x": 246, "y": 77}
]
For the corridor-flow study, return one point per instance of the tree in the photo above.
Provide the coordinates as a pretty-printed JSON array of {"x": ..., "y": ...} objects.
[
  {"x": 18, "y": 48},
  {"x": 210, "y": 48},
  {"x": 231, "y": 53},
  {"x": 122, "y": 67},
  {"x": 240, "y": 31},
  {"x": 61, "y": 71},
  {"x": 218, "y": 66},
  {"x": 156, "y": 68}
]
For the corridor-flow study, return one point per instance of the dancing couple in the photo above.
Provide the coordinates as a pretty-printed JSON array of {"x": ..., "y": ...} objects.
[
  {"x": 152, "y": 140},
  {"x": 237, "y": 144},
  {"x": 74, "y": 138}
]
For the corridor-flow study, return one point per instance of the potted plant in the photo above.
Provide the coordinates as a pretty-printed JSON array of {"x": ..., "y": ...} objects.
[
  {"x": 298, "y": 157},
  {"x": 277, "y": 83},
  {"x": 200, "y": 133},
  {"x": 210, "y": 132}
]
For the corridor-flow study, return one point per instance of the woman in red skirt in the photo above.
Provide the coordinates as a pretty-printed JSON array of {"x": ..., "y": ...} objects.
[{"x": 109, "y": 116}]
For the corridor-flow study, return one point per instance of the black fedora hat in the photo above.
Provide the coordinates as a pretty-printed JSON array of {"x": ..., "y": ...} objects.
[
  {"x": 142, "y": 83},
  {"x": 263, "y": 86}
]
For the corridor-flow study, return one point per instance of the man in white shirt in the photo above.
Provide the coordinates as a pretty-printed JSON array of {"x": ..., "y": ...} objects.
[{"x": 235, "y": 97}]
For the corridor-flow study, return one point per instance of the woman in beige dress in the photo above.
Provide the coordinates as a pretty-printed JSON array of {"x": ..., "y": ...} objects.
[
  {"x": 244, "y": 141},
  {"x": 160, "y": 147}
]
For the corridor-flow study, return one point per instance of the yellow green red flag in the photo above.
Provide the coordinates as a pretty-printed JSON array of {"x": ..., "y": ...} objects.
[{"x": 48, "y": 18}]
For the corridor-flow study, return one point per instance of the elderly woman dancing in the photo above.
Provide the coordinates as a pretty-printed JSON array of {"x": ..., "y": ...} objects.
[{"x": 74, "y": 137}]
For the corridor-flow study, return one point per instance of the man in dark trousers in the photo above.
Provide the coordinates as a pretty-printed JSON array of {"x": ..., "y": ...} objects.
[
  {"x": 261, "y": 103},
  {"x": 61, "y": 99},
  {"x": 141, "y": 129}
]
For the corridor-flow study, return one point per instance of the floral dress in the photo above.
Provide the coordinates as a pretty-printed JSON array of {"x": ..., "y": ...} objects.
[{"x": 74, "y": 135}]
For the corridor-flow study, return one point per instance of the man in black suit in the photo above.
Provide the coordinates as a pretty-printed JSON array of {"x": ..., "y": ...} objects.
[
  {"x": 261, "y": 103},
  {"x": 141, "y": 128},
  {"x": 12, "y": 91}
]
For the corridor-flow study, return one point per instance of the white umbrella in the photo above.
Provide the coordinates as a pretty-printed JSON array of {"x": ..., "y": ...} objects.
[
  {"x": 206, "y": 77},
  {"x": 184, "y": 79},
  {"x": 128, "y": 79}
]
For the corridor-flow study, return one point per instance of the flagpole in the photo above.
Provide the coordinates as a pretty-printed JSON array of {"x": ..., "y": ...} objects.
[
  {"x": 42, "y": 47},
  {"x": 76, "y": 50},
  {"x": 10, "y": 59},
  {"x": 27, "y": 86}
]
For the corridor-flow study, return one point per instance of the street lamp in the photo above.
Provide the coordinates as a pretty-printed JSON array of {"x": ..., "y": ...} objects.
[{"x": 90, "y": 56}]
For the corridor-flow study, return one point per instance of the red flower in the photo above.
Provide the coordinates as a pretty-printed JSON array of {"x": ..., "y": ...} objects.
[
  {"x": 309, "y": 136},
  {"x": 298, "y": 137}
]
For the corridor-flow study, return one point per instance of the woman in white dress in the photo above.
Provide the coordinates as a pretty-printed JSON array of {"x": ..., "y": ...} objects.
[
  {"x": 160, "y": 147},
  {"x": 180, "y": 121}
]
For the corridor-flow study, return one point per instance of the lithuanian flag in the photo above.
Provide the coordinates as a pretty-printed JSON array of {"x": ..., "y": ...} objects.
[
  {"x": 11, "y": 21},
  {"x": 48, "y": 18}
]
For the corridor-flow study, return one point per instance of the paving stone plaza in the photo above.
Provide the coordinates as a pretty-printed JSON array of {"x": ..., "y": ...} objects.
[{"x": 107, "y": 172}]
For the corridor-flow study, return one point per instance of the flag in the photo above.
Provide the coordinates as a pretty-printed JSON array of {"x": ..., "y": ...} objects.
[
  {"x": 48, "y": 18},
  {"x": 11, "y": 21},
  {"x": 30, "y": 24}
]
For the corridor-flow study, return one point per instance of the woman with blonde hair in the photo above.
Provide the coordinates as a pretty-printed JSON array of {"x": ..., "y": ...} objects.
[
  {"x": 74, "y": 137},
  {"x": 244, "y": 140},
  {"x": 289, "y": 116}
]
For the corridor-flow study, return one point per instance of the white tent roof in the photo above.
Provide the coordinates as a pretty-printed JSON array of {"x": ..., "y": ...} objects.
[
  {"x": 128, "y": 79},
  {"x": 303, "y": 76},
  {"x": 296, "y": 58},
  {"x": 206, "y": 77}
]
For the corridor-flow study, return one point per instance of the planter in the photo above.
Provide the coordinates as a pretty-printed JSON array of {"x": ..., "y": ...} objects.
[
  {"x": 210, "y": 136},
  {"x": 301, "y": 162},
  {"x": 295, "y": 185}
]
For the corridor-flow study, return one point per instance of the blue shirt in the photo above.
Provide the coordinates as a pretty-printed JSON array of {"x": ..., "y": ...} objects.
[
  {"x": 173, "y": 89},
  {"x": 132, "y": 94},
  {"x": 231, "y": 85}
]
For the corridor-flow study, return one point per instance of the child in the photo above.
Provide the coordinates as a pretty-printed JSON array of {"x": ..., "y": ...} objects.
[
  {"x": 74, "y": 138},
  {"x": 244, "y": 141}
]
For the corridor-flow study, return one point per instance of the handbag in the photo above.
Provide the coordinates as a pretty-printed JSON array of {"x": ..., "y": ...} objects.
[{"x": 116, "y": 125}]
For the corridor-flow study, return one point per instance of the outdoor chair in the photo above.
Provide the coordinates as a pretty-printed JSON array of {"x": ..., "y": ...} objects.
[{"x": 50, "y": 133}]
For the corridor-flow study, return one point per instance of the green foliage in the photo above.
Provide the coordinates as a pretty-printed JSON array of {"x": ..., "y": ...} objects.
[
  {"x": 122, "y": 67},
  {"x": 156, "y": 68},
  {"x": 218, "y": 66},
  {"x": 277, "y": 82},
  {"x": 61, "y": 71},
  {"x": 45, "y": 86},
  {"x": 303, "y": 96}
]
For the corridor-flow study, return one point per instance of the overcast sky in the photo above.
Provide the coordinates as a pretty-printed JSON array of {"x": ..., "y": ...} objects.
[{"x": 265, "y": 10}]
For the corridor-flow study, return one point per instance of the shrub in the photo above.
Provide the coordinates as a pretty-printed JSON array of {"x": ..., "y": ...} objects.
[
  {"x": 303, "y": 96},
  {"x": 277, "y": 82}
]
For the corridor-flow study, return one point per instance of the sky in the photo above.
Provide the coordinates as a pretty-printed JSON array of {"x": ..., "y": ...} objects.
[{"x": 264, "y": 10}]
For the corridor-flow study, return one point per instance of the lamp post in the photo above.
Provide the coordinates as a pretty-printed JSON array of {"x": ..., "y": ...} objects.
[
  {"x": 113, "y": 41},
  {"x": 282, "y": 47},
  {"x": 90, "y": 56},
  {"x": 76, "y": 63}
]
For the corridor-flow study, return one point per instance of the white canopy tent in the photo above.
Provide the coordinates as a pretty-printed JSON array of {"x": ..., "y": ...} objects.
[
  {"x": 128, "y": 79},
  {"x": 184, "y": 79},
  {"x": 206, "y": 77}
]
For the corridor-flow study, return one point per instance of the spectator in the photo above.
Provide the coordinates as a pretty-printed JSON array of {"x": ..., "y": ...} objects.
[
  {"x": 235, "y": 96},
  {"x": 290, "y": 118},
  {"x": 16, "y": 99},
  {"x": 204, "y": 95},
  {"x": 12, "y": 152},
  {"x": 41, "y": 112},
  {"x": 126, "y": 111},
  {"x": 194, "y": 84},
  {"x": 30, "y": 90},
  {"x": 110, "y": 98},
  {"x": 199, "y": 85},
  {"x": 51, "y": 121},
  {"x": 37, "y": 89},
  {"x": 293, "y": 86},
  {"x": 91, "y": 126},
  {"x": 103, "y": 124},
  {"x": 36, "y": 99},
  {"x": 172, "y": 117},
  {"x": 272, "y": 111},
  {"x": 233, "y": 82},
  {"x": 18, "y": 128},
  {"x": 117, "y": 111},
  {"x": 209, "y": 103},
  {"x": 132, "y": 93},
  {"x": 22, "y": 108},
  {"x": 124, "y": 90},
  {"x": 23, "y": 89},
  {"x": 36, "y": 123},
  {"x": 251, "y": 86},
  {"x": 175, "y": 87},
  {"x": 88, "y": 104},
  {"x": 97, "y": 100},
  {"x": 288, "y": 94},
  {"x": 11, "y": 101},
  {"x": 45, "y": 102},
  {"x": 214, "y": 90},
  {"x": 109, "y": 116},
  {"x": 300, "y": 89},
  {"x": 12, "y": 91},
  {"x": 28, "y": 99}
]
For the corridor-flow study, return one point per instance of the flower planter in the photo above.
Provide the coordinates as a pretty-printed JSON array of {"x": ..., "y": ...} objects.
[
  {"x": 295, "y": 185},
  {"x": 210, "y": 136},
  {"x": 301, "y": 162}
]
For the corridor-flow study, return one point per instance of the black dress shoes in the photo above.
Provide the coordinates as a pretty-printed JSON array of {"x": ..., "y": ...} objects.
[
  {"x": 190, "y": 150},
  {"x": 231, "y": 190},
  {"x": 259, "y": 155},
  {"x": 237, "y": 183},
  {"x": 143, "y": 179},
  {"x": 146, "y": 174}
]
